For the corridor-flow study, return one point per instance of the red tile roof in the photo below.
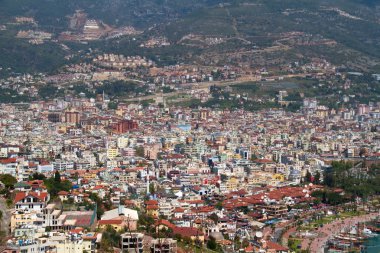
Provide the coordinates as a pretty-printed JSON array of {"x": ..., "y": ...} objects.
[
  {"x": 165, "y": 223},
  {"x": 110, "y": 222},
  {"x": 152, "y": 207},
  {"x": 178, "y": 210},
  {"x": 275, "y": 246},
  {"x": 263, "y": 161},
  {"x": 22, "y": 195},
  {"x": 76, "y": 230},
  {"x": 249, "y": 249},
  {"x": 204, "y": 209},
  {"x": 63, "y": 193},
  {"x": 151, "y": 202},
  {"x": 187, "y": 231},
  {"x": 8, "y": 160}
]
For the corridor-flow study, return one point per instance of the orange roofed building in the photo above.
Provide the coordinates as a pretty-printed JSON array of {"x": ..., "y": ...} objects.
[{"x": 31, "y": 200}]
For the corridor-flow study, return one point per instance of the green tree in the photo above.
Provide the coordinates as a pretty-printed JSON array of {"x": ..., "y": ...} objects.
[
  {"x": 38, "y": 176},
  {"x": 140, "y": 151},
  {"x": 211, "y": 244},
  {"x": 9, "y": 181},
  {"x": 152, "y": 190},
  {"x": 219, "y": 205},
  {"x": 178, "y": 237},
  {"x": 110, "y": 238},
  {"x": 329, "y": 179},
  {"x": 187, "y": 240},
  {"x": 57, "y": 177},
  {"x": 55, "y": 185},
  {"x": 308, "y": 177},
  {"x": 223, "y": 177},
  {"x": 317, "y": 178},
  {"x": 112, "y": 105},
  {"x": 49, "y": 92}
]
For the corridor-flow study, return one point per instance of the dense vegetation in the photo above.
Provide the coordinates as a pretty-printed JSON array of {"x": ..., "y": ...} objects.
[
  {"x": 353, "y": 180},
  {"x": 49, "y": 92},
  {"x": 55, "y": 185},
  {"x": 23, "y": 57},
  {"x": 8, "y": 180},
  {"x": 117, "y": 89}
]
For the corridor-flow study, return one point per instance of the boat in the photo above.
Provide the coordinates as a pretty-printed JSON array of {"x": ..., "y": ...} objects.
[{"x": 368, "y": 232}]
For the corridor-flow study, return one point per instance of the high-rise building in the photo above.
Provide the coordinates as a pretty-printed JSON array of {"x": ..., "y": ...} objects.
[
  {"x": 54, "y": 117},
  {"x": 72, "y": 117},
  {"x": 124, "y": 126}
]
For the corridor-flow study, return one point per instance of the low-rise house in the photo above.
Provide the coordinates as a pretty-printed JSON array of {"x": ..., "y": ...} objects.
[
  {"x": 31, "y": 200},
  {"x": 189, "y": 232},
  {"x": 119, "y": 218}
]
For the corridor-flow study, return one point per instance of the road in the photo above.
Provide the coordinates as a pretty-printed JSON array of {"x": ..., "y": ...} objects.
[{"x": 203, "y": 85}]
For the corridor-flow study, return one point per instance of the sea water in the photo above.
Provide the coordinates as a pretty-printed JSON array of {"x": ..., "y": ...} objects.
[{"x": 373, "y": 245}]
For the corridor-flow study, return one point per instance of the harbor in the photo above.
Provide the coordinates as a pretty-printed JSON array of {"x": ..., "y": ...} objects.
[{"x": 360, "y": 236}]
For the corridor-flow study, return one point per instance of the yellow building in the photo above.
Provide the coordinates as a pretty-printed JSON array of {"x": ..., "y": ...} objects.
[
  {"x": 278, "y": 177},
  {"x": 62, "y": 129},
  {"x": 265, "y": 178},
  {"x": 23, "y": 218},
  {"x": 112, "y": 153},
  {"x": 119, "y": 112},
  {"x": 117, "y": 224},
  {"x": 151, "y": 211},
  {"x": 90, "y": 175},
  {"x": 232, "y": 184}
]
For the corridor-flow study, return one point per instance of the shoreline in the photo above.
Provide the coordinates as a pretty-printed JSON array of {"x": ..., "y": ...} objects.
[{"x": 316, "y": 245}]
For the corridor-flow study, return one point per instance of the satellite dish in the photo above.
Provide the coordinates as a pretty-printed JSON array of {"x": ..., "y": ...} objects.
[{"x": 259, "y": 234}]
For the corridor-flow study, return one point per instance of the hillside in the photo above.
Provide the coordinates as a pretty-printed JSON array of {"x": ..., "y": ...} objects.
[
  {"x": 209, "y": 32},
  {"x": 345, "y": 32},
  {"x": 140, "y": 13}
]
